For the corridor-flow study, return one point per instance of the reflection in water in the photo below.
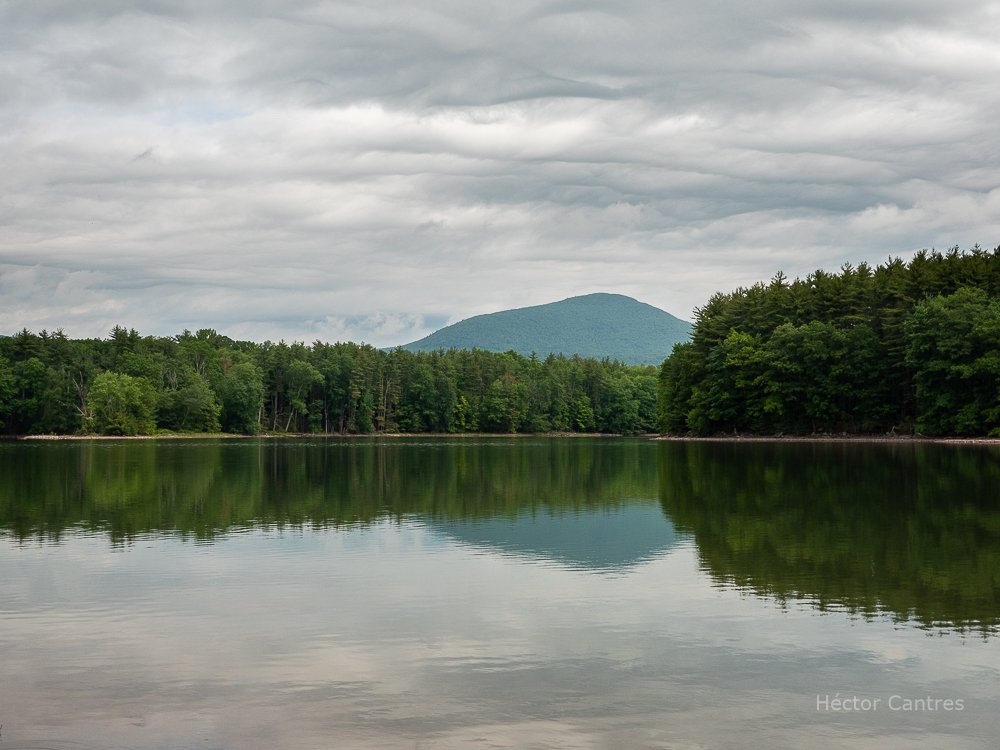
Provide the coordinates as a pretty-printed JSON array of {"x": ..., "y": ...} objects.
[
  {"x": 204, "y": 488},
  {"x": 912, "y": 530},
  {"x": 430, "y": 593},
  {"x": 560, "y": 500},
  {"x": 597, "y": 540}
]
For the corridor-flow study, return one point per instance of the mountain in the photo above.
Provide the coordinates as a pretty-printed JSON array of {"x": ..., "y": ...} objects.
[{"x": 593, "y": 325}]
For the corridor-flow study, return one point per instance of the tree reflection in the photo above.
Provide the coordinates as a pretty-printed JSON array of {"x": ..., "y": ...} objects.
[
  {"x": 204, "y": 488},
  {"x": 909, "y": 530}
]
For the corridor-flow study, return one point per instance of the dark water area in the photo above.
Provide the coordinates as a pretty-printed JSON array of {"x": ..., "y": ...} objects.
[
  {"x": 567, "y": 593},
  {"x": 911, "y": 530}
]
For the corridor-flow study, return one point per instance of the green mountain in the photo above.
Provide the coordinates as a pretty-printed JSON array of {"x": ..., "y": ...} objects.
[{"x": 594, "y": 325}]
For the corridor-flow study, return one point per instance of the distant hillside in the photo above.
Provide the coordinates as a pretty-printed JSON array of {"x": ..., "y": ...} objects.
[{"x": 594, "y": 325}]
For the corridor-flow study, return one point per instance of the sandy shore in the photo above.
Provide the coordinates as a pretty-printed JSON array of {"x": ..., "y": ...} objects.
[
  {"x": 172, "y": 436},
  {"x": 314, "y": 435},
  {"x": 480, "y": 435},
  {"x": 828, "y": 439}
]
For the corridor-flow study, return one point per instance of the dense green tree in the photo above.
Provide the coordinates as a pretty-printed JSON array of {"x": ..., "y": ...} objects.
[
  {"x": 674, "y": 388},
  {"x": 899, "y": 346},
  {"x": 121, "y": 405},
  {"x": 205, "y": 381},
  {"x": 506, "y": 405},
  {"x": 583, "y": 419},
  {"x": 190, "y": 407},
  {"x": 6, "y": 392},
  {"x": 953, "y": 344},
  {"x": 242, "y": 395},
  {"x": 28, "y": 404},
  {"x": 621, "y": 404},
  {"x": 301, "y": 379}
]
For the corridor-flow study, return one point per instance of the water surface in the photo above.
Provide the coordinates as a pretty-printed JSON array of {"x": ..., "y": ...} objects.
[{"x": 556, "y": 593}]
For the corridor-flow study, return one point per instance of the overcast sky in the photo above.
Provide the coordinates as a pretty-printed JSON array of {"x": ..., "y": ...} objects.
[{"x": 372, "y": 170}]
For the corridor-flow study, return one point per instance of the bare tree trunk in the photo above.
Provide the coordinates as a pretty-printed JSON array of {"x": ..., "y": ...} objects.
[{"x": 81, "y": 392}]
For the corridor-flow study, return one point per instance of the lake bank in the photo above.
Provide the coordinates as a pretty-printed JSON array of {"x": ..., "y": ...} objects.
[
  {"x": 828, "y": 439},
  {"x": 923, "y": 439},
  {"x": 314, "y": 435}
]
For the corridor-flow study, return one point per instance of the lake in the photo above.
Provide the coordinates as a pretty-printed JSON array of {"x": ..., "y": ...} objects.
[{"x": 495, "y": 593}]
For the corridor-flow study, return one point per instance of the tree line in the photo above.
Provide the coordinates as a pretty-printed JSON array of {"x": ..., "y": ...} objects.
[
  {"x": 900, "y": 347},
  {"x": 129, "y": 384}
]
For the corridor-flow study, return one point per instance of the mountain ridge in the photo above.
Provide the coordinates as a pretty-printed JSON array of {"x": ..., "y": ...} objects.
[{"x": 599, "y": 325}]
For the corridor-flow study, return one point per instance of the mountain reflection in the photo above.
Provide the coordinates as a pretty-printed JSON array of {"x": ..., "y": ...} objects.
[
  {"x": 205, "y": 488},
  {"x": 591, "y": 539},
  {"x": 908, "y": 530},
  {"x": 912, "y": 531}
]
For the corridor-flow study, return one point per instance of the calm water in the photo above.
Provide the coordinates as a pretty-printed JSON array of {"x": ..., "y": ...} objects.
[{"x": 498, "y": 593}]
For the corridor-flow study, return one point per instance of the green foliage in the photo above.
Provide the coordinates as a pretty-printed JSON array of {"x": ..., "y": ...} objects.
[
  {"x": 191, "y": 407},
  {"x": 583, "y": 415},
  {"x": 674, "y": 388},
  {"x": 865, "y": 350},
  {"x": 121, "y": 405},
  {"x": 29, "y": 391},
  {"x": 6, "y": 391},
  {"x": 300, "y": 380},
  {"x": 953, "y": 346},
  {"x": 242, "y": 395},
  {"x": 203, "y": 382},
  {"x": 506, "y": 405}
]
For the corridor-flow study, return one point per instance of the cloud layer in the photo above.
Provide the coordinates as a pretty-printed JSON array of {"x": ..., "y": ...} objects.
[{"x": 370, "y": 171}]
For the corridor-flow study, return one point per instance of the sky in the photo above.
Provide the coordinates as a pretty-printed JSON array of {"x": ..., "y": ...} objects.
[{"x": 370, "y": 171}]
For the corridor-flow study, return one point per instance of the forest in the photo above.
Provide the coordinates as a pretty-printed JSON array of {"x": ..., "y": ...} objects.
[
  {"x": 903, "y": 347},
  {"x": 204, "y": 382}
]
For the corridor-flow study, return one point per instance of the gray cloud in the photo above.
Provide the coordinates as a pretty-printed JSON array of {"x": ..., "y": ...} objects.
[{"x": 371, "y": 170}]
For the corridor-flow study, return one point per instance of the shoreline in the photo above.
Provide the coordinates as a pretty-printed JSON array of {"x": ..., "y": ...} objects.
[
  {"x": 314, "y": 435},
  {"x": 884, "y": 439}
]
